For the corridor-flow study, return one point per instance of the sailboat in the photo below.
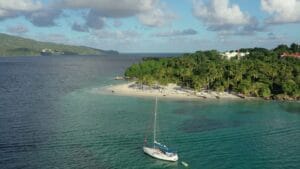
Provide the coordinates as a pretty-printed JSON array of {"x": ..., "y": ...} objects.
[{"x": 158, "y": 150}]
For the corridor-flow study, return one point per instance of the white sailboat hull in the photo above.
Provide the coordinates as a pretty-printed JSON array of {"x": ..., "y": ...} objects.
[{"x": 156, "y": 153}]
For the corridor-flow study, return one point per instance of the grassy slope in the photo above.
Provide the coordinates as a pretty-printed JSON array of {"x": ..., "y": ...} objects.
[{"x": 17, "y": 46}]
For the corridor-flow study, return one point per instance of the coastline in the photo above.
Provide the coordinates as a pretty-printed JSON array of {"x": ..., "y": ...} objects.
[{"x": 171, "y": 91}]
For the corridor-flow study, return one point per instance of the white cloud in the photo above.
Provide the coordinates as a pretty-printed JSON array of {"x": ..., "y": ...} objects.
[
  {"x": 44, "y": 17},
  {"x": 20, "y": 5},
  {"x": 121, "y": 40},
  {"x": 219, "y": 14},
  {"x": 94, "y": 20},
  {"x": 57, "y": 38},
  {"x": 35, "y": 11},
  {"x": 149, "y": 12},
  {"x": 117, "y": 35},
  {"x": 156, "y": 17},
  {"x": 4, "y": 13},
  {"x": 287, "y": 11},
  {"x": 172, "y": 33},
  {"x": 117, "y": 23},
  {"x": 17, "y": 29},
  {"x": 79, "y": 27},
  {"x": 112, "y": 8},
  {"x": 10, "y": 7}
]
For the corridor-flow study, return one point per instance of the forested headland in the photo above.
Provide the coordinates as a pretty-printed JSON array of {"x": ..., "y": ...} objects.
[
  {"x": 18, "y": 46},
  {"x": 261, "y": 73}
]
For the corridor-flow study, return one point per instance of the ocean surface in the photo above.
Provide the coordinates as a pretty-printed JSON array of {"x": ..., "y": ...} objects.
[{"x": 53, "y": 117}]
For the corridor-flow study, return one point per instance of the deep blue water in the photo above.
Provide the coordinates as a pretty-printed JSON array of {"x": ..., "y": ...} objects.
[{"x": 51, "y": 116}]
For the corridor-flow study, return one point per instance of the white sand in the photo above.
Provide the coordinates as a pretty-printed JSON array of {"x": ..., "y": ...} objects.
[{"x": 169, "y": 91}]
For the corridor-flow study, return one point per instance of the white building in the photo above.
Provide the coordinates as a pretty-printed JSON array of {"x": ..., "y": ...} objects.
[{"x": 229, "y": 55}]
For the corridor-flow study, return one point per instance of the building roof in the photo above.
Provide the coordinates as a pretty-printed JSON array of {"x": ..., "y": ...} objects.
[{"x": 294, "y": 55}]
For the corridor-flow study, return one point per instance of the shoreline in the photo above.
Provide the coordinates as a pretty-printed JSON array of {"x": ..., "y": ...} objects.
[{"x": 171, "y": 91}]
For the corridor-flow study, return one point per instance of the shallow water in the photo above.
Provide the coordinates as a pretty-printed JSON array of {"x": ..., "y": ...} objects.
[{"x": 50, "y": 117}]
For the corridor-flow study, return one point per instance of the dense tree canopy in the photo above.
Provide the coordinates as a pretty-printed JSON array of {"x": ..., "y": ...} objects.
[{"x": 262, "y": 73}]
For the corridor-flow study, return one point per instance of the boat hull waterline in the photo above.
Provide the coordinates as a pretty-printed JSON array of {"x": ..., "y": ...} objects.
[{"x": 156, "y": 153}]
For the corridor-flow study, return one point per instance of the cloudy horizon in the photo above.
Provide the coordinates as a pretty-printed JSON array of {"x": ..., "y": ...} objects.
[{"x": 155, "y": 25}]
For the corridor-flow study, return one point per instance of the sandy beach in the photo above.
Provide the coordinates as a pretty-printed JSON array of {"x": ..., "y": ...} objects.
[{"x": 170, "y": 91}]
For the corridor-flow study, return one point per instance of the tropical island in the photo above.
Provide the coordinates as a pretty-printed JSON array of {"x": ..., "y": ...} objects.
[
  {"x": 251, "y": 72},
  {"x": 18, "y": 46}
]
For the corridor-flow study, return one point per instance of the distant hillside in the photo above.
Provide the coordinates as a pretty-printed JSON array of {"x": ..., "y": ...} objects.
[{"x": 18, "y": 46}]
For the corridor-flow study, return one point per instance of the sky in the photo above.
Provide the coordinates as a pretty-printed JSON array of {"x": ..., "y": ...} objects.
[{"x": 155, "y": 26}]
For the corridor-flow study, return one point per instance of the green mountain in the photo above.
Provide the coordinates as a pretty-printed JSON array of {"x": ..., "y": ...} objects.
[{"x": 18, "y": 46}]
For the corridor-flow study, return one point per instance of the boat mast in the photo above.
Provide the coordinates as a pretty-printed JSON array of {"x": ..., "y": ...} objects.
[{"x": 154, "y": 127}]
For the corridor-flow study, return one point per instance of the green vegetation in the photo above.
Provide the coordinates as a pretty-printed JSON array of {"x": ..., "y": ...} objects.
[
  {"x": 262, "y": 73},
  {"x": 17, "y": 46}
]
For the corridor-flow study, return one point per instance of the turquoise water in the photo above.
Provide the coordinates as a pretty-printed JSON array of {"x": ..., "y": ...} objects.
[
  {"x": 52, "y": 117},
  {"x": 207, "y": 134}
]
